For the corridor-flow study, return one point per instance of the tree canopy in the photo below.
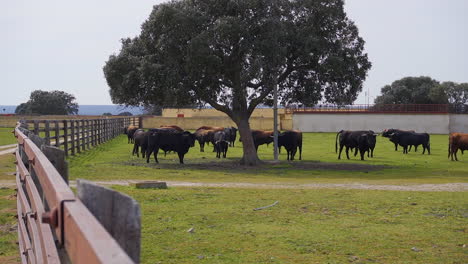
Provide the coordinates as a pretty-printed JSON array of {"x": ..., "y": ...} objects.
[
  {"x": 126, "y": 113},
  {"x": 49, "y": 103},
  {"x": 424, "y": 90},
  {"x": 232, "y": 54}
]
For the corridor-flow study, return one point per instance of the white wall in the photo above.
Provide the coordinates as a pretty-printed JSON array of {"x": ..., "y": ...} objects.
[
  {"x": 459, "y": 123},
  {"x": 429, "y": 123}
]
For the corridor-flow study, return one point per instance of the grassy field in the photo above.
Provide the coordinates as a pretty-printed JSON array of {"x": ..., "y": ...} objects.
[
  {"x": 9, "y": 252},
  {"x": 306, "y": 226},
  {"x": 113, "y": 161},
  {"x": 6, "y": 137}
]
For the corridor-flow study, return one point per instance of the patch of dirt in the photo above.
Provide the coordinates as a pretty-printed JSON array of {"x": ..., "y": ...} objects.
[
  {"x": 268, "y": 165},
  {"x": 447, "y": 187}
]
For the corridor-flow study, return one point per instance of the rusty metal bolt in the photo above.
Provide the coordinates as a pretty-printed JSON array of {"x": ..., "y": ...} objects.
[
  {"x": 34, "y": 215},
  {"x": 32, "y": 161},
  {"x": 50, "y": 217}
]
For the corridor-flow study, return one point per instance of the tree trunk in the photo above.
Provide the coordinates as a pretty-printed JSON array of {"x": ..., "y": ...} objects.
[{"x": 250, "y": 156}]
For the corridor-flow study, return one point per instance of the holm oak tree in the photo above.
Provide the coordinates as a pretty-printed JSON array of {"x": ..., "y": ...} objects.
[{"x": 231, "y": 54}]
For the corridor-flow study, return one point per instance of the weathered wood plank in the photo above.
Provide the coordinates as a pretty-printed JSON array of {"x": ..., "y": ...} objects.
[{"x": 118, "y": 213}]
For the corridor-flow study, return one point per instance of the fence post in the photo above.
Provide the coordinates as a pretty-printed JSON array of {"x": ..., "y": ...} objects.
[
  {"x": 83, "y": 138},
  {"x": 56, "y": 156},
  {"x": 87, "y": 134},
  {"x": 36, "y": 127},
  {"x": 118, "y": 213},
  {"x": 72, "y": 136},
  {"x": 57, "y": 134},
  {"x": 47, "y": 132},
  {"x": 65, "y": 136}
]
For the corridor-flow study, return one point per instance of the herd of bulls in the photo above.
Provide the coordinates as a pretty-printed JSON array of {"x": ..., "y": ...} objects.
[
  {"x": 174, "y": 138},
  {"x": 364, "y": 141}
]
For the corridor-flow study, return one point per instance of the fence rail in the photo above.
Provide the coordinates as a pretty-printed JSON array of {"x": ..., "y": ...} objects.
[
  {"x": 53, "y": 225},
  {"x": 75, "y": 136},
  {"x": 367, "y": 108}
]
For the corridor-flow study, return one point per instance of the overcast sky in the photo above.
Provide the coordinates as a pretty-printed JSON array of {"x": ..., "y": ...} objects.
[{"x": 63, "y": 45}]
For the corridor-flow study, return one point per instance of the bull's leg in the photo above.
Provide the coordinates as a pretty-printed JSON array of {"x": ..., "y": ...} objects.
[
  {"x": 362, "y": 152},
  {"x": 137, "y": 150},
  {"x": 428, "y": 149},
  {"x": 156, "y": 151},
  {"x": 396, "y": 146},
  {"x": 410, "y": 148},
  {"x": 355, "y": 152},
  {"x": 181, "y": 157},
  {"x": 341, "y": 149},
  {"x": 300, "y": 152},
  {"x": 202, "y": 146},
  {"x": 133, "y": 150},
  {"x": 148, "y": 154},
  {"x": 372, "y": 152},
  {"x": 293, "y": 153},
  {"x": 455, "y": 154},
  {"x": 405, "y": 149},
  {"x": 347, "y": 152}
]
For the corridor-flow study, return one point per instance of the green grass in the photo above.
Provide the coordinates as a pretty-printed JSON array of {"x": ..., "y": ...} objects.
[
  {"x": 113, "y": 161},
  {"x": 6, "y": 137},
  {"x": 8, "y": 233},
  {"x": 306, "y": 226},
  {"x": 7, "y": 167}
]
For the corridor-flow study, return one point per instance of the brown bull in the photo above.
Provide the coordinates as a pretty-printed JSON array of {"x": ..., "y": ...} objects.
[
  {"x": 457, "y": 141},
  {"x": 210, "y": 128},
  {"x": 177, "y": 128},
  {"x": 261, "y": 137},
  {"x": 130, "y": 130}
]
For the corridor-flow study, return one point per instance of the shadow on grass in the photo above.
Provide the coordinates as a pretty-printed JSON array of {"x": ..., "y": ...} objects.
[{"x": 233, "y": 166}]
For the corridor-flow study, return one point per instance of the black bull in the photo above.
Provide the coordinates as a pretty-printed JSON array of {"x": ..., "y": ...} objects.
[
  {"x": 169, "y": 140},
  {"x": 406, "y": 139},
  {"x": 363, "y": 140}
]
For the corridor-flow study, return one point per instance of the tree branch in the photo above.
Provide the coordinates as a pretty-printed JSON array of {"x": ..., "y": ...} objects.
[
  {"x": 218, "y": 106},
  {"x": 254, "y": 102},
  {"x": 253, "y": 85}
]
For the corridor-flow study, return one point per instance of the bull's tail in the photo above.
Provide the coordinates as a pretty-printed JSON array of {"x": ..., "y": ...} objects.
[{"x": 336, "y": 141}]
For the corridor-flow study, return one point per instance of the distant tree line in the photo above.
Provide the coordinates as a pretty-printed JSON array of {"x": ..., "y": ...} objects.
[
  {"x": 425, "y": 90},
  {"x": 49, "y": 103}
]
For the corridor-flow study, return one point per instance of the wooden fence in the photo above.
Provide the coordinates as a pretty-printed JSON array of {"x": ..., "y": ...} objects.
[
  {"x": 75, "y": 136},
  {"x": 54, "y": 226}
]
